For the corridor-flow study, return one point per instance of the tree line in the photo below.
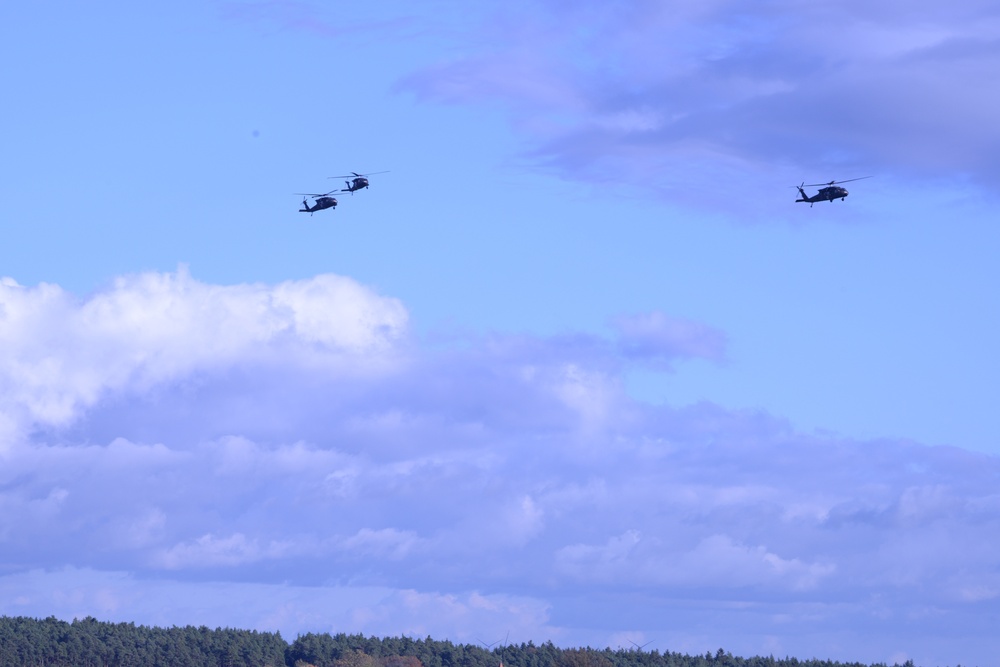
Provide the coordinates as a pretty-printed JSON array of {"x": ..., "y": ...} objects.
[{"x": 50, "y": 642}]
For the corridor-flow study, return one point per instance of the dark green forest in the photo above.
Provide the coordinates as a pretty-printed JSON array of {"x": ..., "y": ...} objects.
[{"x": 29, "y": 642}]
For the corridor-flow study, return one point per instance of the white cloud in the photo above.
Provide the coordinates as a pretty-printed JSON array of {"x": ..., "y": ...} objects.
[
  {"x": 512, "y": 466},
  {"x": 591, "y": 395},
  {"x": 59, "y": 356},
  {"x": 383, "y": 543},
  {"x": 717, "y": 561},
  {"x": 607, "y": 562},
  {"x": 522, "y": 520},
  {"x": 208, "y": 551}
]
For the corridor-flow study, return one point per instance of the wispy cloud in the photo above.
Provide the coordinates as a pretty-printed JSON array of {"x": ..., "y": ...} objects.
[
  {"x": 659, "y": 339},
  {"x": 674, "y": 97}
]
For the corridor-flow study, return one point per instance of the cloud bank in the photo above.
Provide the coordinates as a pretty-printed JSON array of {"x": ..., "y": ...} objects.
[
  {"x": 170, "y": 446},
  {"x": 674, "y": 96}
]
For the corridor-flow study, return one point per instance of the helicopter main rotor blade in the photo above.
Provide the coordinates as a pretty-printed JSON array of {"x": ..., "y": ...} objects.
[
  {"x": 819, "y": 185},
  {"x": 355, "y": 174}
]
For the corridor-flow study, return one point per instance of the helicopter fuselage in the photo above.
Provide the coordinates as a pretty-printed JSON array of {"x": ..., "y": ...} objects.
[
  {"x": 355, "y": 181},
  {"x": 825, "y": 194},
  {"x": 358, "y": 183},
  {"x": 320, "y": 204}
]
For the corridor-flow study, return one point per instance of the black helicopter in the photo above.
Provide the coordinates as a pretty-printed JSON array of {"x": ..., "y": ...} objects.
[
  {"x": 358, "y": 181},
  {"x": 320, "y": 202},
  {"x": 828, "y": 193}
]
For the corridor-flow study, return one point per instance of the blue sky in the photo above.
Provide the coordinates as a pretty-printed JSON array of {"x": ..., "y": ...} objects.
[{"x": 577, "y": 367}]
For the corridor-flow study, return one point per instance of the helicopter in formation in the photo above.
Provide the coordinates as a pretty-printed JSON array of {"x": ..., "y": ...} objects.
[
  {"x": 828, "y": 192},
  {"x": 326, "y": 200},
  {"x": 320, "y": 202},
  {"x": 357, "y": 181}
]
